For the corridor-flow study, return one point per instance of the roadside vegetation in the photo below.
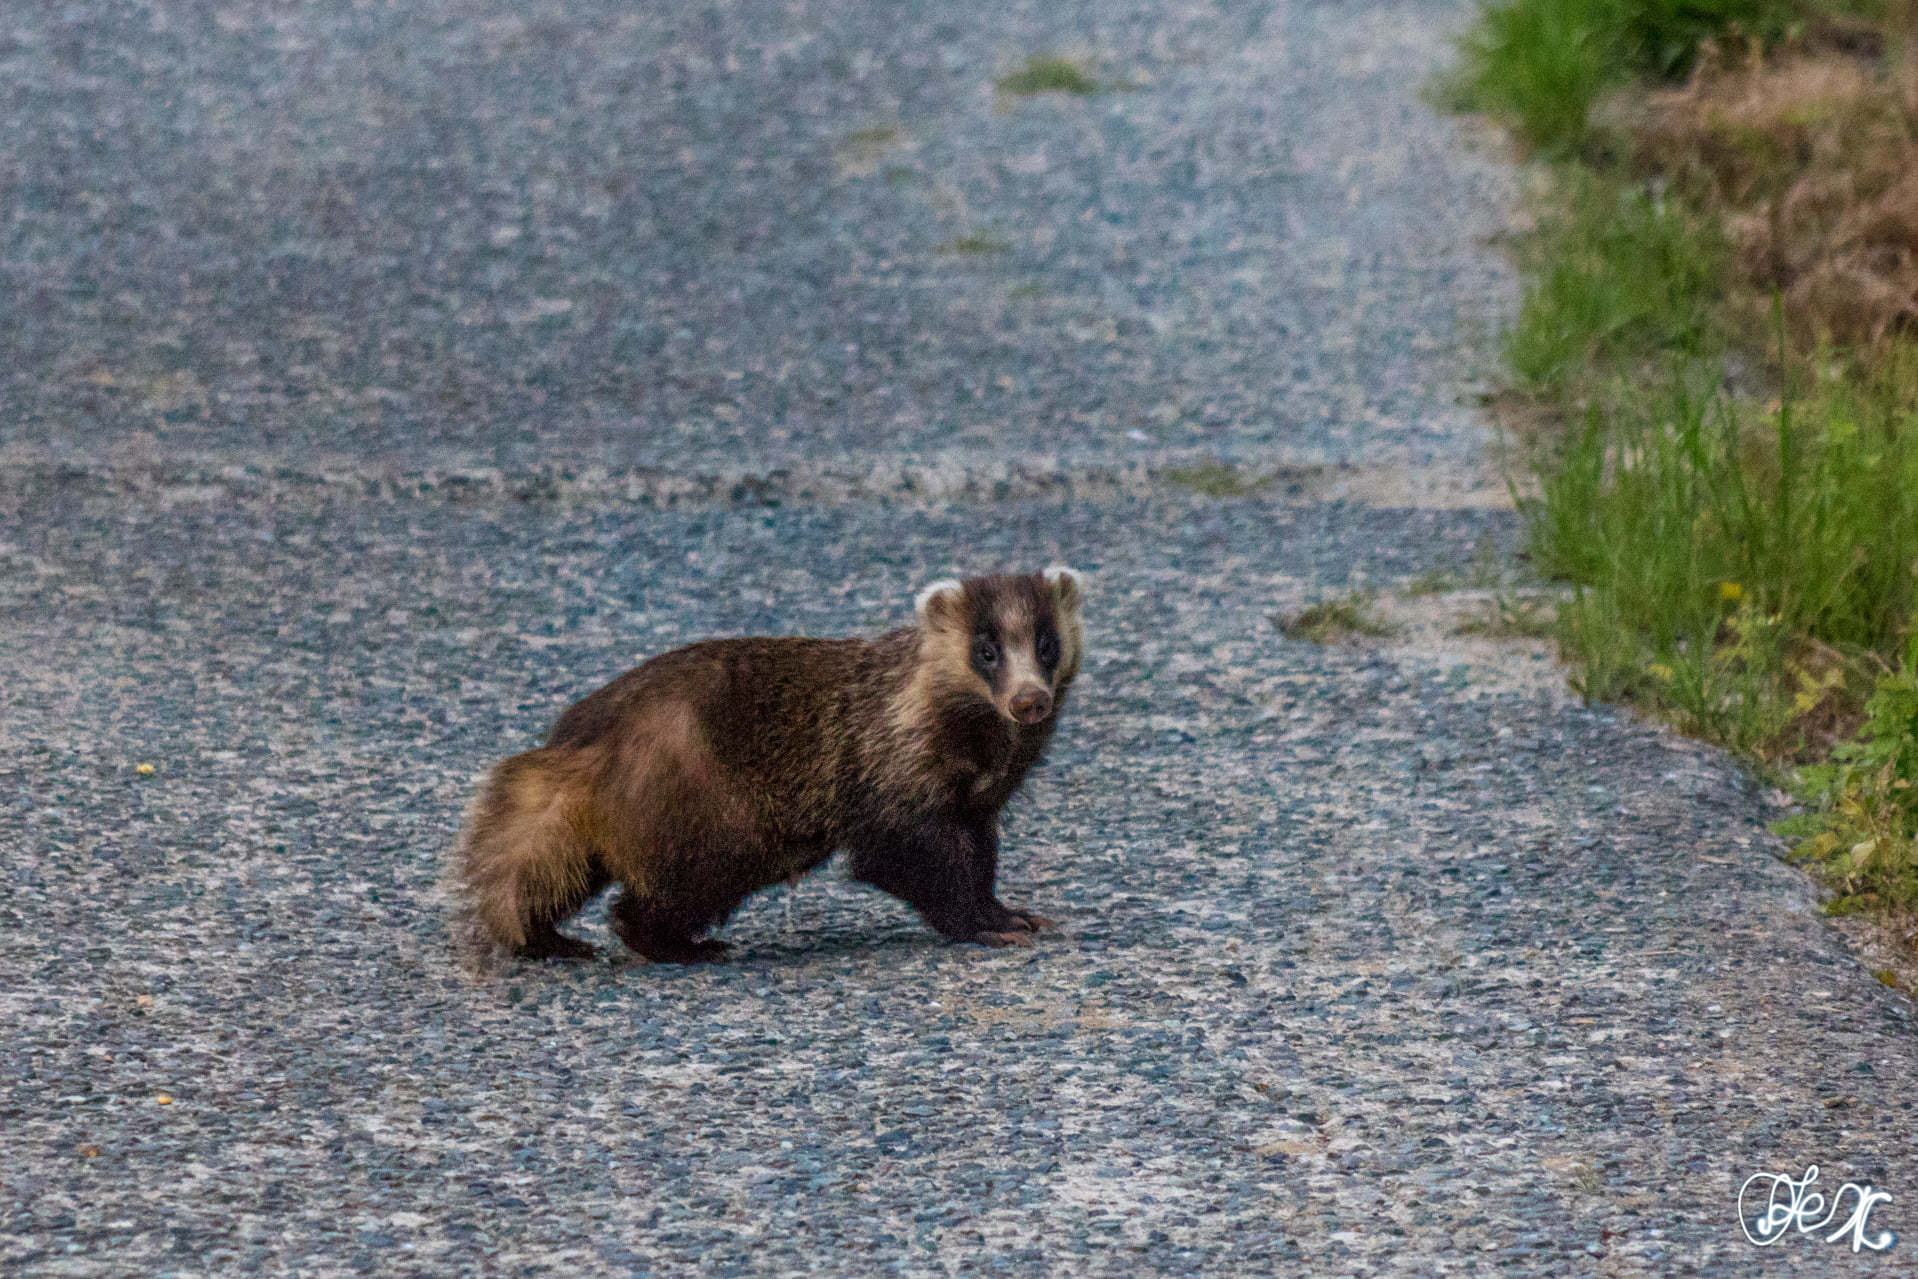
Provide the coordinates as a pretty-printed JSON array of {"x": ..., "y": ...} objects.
[{"x": 1714, "y": 372}]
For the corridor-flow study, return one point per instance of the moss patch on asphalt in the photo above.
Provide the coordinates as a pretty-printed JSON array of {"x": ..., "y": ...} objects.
[{"x": 1049, "y": 74}]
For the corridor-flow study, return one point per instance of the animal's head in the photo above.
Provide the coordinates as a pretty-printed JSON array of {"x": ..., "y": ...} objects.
[{"x": 1013, "y": 640}]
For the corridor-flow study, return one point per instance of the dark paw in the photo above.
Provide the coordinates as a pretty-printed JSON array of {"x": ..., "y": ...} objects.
[
  {"x": 558, "y": 946},
  {"x": 998, "y": 919},
  {"x": 679, "y": 951},
  {"x": 1019, "y": 937},
  {"x": 707, "y": 952}
]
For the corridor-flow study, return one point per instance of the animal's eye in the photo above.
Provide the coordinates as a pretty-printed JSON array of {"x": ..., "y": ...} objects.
[
  {"x": 1047, "y": 649},
  {"x": 985, "y": 653}
]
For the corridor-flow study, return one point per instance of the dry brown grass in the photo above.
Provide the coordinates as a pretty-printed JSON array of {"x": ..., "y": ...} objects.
[{"x": 1810, "y": 155}]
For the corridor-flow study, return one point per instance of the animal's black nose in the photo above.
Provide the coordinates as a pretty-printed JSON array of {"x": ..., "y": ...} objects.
[{"x": 1031, "y": 704}]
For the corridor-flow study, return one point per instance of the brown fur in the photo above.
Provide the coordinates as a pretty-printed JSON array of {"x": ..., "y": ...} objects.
[{"x": 716, "y": 770}]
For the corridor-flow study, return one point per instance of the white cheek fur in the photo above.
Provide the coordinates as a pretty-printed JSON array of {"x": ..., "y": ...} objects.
[{"x": 946, "y": 587}]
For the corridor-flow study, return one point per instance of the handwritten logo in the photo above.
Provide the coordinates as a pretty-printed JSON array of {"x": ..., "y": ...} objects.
[{"x": 1792, "y": 1205}]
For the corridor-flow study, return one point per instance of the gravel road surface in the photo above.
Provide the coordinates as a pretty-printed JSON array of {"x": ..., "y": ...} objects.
[{"x": 388, "y": 375}]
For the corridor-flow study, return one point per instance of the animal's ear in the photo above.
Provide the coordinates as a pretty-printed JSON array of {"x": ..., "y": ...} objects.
[
  {"x": 1066, "y": 588},
  {"x": 940, "y": 604}
]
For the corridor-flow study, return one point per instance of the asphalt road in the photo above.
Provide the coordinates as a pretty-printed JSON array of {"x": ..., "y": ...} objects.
[{"x": 386, "y": 377}]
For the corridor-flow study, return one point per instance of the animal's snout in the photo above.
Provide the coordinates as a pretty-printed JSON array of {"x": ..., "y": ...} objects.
[{"x": 1030, "y": 704}]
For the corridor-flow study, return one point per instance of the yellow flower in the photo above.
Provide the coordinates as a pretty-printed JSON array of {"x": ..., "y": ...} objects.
[
  {"x": 1661, "y": 670},
  {"x": 144, "y": 770},
  {"x": 1730, "y": 591}
]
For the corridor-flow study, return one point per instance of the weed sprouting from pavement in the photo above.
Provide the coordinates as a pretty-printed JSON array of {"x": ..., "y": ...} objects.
[
  {"x": 1049, "y": 74},
  {"x": 973, "y": 245},
  {"x": 1511, "y": 617},
  {"x": 1216, "y": 479},
  {"x": 1439, "y": 581},
  {"x": 1330, "y": 620},
  {"x": 883, "y": 135},
  {"x": 1486, "y": 573}
]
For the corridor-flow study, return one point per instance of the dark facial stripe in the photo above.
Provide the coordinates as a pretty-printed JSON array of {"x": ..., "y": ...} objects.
[
  {"x": 988, "y": 657},
  {"x": 991, "y": 599},
  {"x": 1045, "y": 646}
]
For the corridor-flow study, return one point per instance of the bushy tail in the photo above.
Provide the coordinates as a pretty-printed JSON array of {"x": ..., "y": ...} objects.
[{"x": 522, "y": 862}]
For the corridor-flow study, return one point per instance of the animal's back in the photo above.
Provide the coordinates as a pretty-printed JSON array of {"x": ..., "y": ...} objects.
[{"x": 784, "y": 719}]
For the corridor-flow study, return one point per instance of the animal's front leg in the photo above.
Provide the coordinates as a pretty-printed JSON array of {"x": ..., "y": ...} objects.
[
  {"x": 1006, "y": 927},
  {"x": 945, "y": 871}
]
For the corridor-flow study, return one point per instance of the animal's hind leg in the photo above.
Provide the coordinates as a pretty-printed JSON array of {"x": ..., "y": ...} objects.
[
  {"x": 544, "y": 940},
  {"x": 526, "y": 859},
  {"x": 663, "y": 934}
]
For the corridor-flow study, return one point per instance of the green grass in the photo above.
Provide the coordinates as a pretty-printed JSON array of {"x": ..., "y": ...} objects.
[
  {"x": 1330, "y": 620},
  {"x": 1661, "y": 37},
  {"x": 1047, "y": 74},
  {"x": 1617, "y": 277},
  {"x": 1542, "y": 65},
  {"x": 1716, "y": 543}
]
